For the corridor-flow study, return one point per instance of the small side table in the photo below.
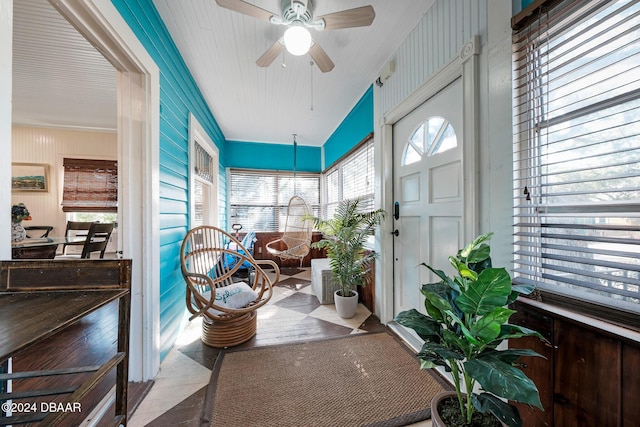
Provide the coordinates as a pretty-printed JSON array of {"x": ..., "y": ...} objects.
[{"x": 322, "y": 282}]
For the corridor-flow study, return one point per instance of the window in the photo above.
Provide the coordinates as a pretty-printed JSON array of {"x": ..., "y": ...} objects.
[
  {"x": 350, "y": 177},
  {"x": 202, "y": 186},
  {"x": 577, "y": 153},
  {"x": 203, "y": 176},
  {"x": 434, "y": 136},
  {"x": 90, "y": 185},
  {"x": 259, "y": 199}
]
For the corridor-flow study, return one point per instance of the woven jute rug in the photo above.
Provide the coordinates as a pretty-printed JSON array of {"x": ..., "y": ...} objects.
[{"x": 359, "y": 380}]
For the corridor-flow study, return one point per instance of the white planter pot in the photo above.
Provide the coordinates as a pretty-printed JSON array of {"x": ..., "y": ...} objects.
[{"x": 346, "y": 306}]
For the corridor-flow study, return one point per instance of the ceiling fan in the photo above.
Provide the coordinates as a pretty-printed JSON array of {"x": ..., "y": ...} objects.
[{"x": 297, "y": 15}]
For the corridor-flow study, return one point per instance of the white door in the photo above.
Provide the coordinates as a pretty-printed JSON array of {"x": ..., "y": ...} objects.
[{"x": 428, "y": 189}]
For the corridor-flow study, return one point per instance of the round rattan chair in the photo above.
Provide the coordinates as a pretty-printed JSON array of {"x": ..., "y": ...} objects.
[{"x": 210, "y": 259}]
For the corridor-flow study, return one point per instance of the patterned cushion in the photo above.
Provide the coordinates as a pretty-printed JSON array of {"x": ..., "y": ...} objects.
[{"x": 236, "y": 295}]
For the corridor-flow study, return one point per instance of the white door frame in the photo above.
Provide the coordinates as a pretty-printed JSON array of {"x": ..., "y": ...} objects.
[
  {"x": 138, "y": 168},
  {"x": 464, "y": 65}
]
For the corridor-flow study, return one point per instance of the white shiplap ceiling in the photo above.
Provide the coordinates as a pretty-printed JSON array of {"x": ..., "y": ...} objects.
[{"x": 60, "y": 80}]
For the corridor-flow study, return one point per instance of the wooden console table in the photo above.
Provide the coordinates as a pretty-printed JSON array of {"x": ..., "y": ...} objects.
[{"x": 38, "y": 299}]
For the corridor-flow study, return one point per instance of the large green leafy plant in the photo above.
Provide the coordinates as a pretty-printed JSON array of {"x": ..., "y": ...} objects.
[
  {"x": 467, "y": 319},
  {"x": 344, "y": 237}
]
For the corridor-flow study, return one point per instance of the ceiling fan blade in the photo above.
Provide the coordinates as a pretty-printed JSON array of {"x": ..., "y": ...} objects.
[
  {"x": 246, "y": 9},
  {"x": 358, "y": 17},
  {"x": 321, "y": 58},
  {"x": 272, "y": 53}
]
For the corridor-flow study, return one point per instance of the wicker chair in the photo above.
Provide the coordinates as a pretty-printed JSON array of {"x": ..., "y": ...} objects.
[
  {"x": 210, "y": 258},
  {"x": 295, "y": 242}
]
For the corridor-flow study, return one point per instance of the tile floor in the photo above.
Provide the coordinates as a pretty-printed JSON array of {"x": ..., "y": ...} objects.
[{"x": 293, "y": 314}]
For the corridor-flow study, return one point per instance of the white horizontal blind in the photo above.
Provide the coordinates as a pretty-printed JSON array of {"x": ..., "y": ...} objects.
[
  {"x": 259, "y": 199},
  {"x": 350, "y": 178},
  {"x": 577, "y": 152}
]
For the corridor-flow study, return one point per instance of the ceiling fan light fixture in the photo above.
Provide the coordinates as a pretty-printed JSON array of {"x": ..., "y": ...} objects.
[{"x": 297, "y": 40}]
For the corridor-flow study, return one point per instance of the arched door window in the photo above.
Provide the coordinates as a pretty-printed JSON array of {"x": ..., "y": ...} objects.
[{"x": 434, "y": 135}]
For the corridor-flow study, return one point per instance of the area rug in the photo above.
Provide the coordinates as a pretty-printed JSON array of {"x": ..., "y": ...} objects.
[{"x": 359, "y": 380}]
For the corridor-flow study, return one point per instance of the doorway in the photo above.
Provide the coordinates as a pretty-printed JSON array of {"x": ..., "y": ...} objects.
[
  {"x": 138, "y": 80},
  {"x": 432, "y": 174},
  {"x": 427, "y": 165}
]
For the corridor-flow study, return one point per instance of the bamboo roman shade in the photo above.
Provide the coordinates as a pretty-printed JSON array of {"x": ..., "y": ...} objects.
[
  {"x": 577, "y": 151},
  {"x": 90, "y": 185}
]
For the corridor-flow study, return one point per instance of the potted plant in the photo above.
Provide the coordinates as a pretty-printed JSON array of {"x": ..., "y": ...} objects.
[
  {"x": 466, "y": 321},
  {"x": 344, "y": 237}
]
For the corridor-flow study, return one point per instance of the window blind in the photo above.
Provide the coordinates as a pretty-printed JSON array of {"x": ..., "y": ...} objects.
[
  {"x": 577, "y": 152},
  {"x": 90, "y": 185},
  {"x": 351, "y": 177},
  {"x": 203, "y": 164},
  {"x": 259, "y": 199}
]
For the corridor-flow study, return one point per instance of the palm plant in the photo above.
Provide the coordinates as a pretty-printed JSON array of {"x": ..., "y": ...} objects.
[{"x": 344, "y": 237}]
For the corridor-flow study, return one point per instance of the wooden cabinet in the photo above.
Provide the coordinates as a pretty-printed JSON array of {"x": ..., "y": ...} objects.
[
  {"x": 590, "y": 375},
  {"x": 38, "y": 301}
]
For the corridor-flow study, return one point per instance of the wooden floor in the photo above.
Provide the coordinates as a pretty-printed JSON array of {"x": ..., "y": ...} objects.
[{"x": 176, "y": 396}]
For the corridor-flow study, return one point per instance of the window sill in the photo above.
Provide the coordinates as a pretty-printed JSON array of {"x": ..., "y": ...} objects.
[{"x": 586, "y": 314}]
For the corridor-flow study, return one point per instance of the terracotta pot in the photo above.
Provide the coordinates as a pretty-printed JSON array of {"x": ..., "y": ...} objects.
[{"x": 346, "y": 306}]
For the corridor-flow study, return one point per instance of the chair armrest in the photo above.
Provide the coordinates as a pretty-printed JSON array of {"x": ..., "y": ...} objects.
[{"x": 272, "y": 264}]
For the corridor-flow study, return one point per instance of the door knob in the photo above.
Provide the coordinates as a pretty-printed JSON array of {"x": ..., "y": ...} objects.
[{"x": 395, "y": 232}]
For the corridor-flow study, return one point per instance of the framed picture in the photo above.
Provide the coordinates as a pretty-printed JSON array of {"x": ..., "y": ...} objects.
[{"x": 29, "y": 177}]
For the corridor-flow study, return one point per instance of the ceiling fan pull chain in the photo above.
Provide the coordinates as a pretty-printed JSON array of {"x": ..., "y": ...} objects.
[{"x": 311, "y": 64}]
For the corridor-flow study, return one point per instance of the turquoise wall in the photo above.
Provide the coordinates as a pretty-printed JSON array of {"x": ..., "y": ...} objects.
[
  {"x": 179, "y": 95},
  {"x": 353, "y": 129},
  {"x": 256, "y": 155}
]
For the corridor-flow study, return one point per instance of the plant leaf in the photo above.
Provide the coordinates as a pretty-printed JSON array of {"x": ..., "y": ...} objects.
[
  {"x": 463, "y": 269},
  {"x": 488, "y": 292},
  {"x": 523, "y": 289},
  {"x": 436, "y": 307},
  {"x": 475, "y": 251},
  {"x": 503, "y": 380},
  {"x": 444, "y": 352},
  {"x": 463, "y": 328},
  {"x": 488, "y": 327},
  {"x": 433, "y": 354},
  {"x": 454, "y": 341},
  {"x": 426, "y": 328},
  {"x": 443, "y": 276},
  {"x": 509, "y": 356},
  {"x": 515, "y": 331},
  {"x": 505, "y": 412}
]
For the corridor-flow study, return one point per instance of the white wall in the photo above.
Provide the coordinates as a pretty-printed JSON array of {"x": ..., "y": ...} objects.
[
  {"x": 6, "y": 55},
  {"x": 439, "y": 37},
  {"x": 50, "y": 146}
]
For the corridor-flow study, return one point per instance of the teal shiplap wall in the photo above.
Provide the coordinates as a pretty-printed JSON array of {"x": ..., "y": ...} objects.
[
  {"x": 256, "y": 155},
  {"x": 179, "y": 95},
  {"x": 353, "y": 129}
]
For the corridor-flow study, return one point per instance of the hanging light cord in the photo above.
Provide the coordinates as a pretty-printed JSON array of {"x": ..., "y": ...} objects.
[
  {"x": 311, "y": 64},
  {"x": 295, "y": 149}
]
